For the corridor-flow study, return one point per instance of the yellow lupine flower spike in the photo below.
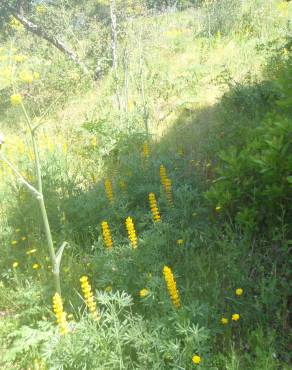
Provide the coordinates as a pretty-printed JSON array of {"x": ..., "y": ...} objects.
[
  {"x": 131, "y": 232},
  {"x": 106, "y": 234},
  {"x": 88, "y": 296},
  {"x": 60, "y": 314},
  {"x": 145, "y": 150},
  {"x": 154, "y": 207},
  {"x": 171, "y": 286},
  {"x": 109, "y": 190},
  {"x": 163, "y": 175}
]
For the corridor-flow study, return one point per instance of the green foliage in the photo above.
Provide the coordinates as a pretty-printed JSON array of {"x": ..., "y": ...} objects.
[
  {"x": 253, "y": 183},
  {"x": 218, "y": 123},
  {"x": 122, "y": 339}
]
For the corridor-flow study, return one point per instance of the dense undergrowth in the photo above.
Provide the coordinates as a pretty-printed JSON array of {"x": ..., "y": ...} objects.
[{"x": 217, "y": 105}]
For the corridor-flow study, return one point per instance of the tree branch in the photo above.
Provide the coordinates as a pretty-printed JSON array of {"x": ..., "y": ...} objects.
[
  {"x": 40, "y": 32},
  {"x": 20, "y": 177}
]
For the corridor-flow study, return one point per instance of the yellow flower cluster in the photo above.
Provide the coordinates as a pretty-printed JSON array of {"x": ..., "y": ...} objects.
[
  {"x": 15, "y": 99},
  {"x": 171, "y": 286},
  {"x": 88, "y": 296},
  {"x": 166, "y": 183},
  {"x": 15, "y": 24},
  {"x": 235, "y": 317},
  {"x": 131, "y": 232},
  {"x": 131, "y": 105},
  {"x": 106, "y": 234},
  {"x": 196, "y": 359},
  {"x": 154, "y": 208},
  {"x": 19, "y": 58},
  {"x": 109, "y": 190},
  {"x": 145, "y": 150},
  {"x": 239, "y": 291},
  {"x": 36, "y": 75},
  {"x": 26, "y": 77},
  {"x": 60, "y": 314},
  {"x": 224, "y": 321},
  {"x": 40, "y": 9},
  {"x": 143, "y": 292}
]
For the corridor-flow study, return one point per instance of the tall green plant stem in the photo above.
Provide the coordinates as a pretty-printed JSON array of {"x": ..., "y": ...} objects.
[
  {"x": 38, "y": 193},
  {"x": 54, "y": 257}
]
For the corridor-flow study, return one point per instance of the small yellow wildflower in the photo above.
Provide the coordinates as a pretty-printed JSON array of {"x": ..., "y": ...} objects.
[
  {"x": 94, "y": 141},
  {"x": 15, "y": 99},
  {"x": 235, "y": 317},
  {"x": 143, "y": 292},
  {"x": 17, "y": 230},
  {"x": 23, "y": 238},
  {"x": 180, "y": 242},
  {"x": 31, "y": 251},
  {"x": 14, "y": 242},
  {"x": 196, "y": 359},
  {"x": 36, "y": 266},
  {"x": 36, "y": 75},
  {"x": 239, "y": 291},
  {"x": 15, "y": 24},
  {"x": 218, "y": 209},
  {"x": 70, "y": 316},
  {"x": 40, "y": 9},
  {"x": 15, "y": 264},
  {"x": 131, "y": 105},
  {"x": 19, "y": 58},
  {"x": 224, "y": 321},
  {"x": 131, "y": 232},
  {"x": 26, "y": 77}
]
